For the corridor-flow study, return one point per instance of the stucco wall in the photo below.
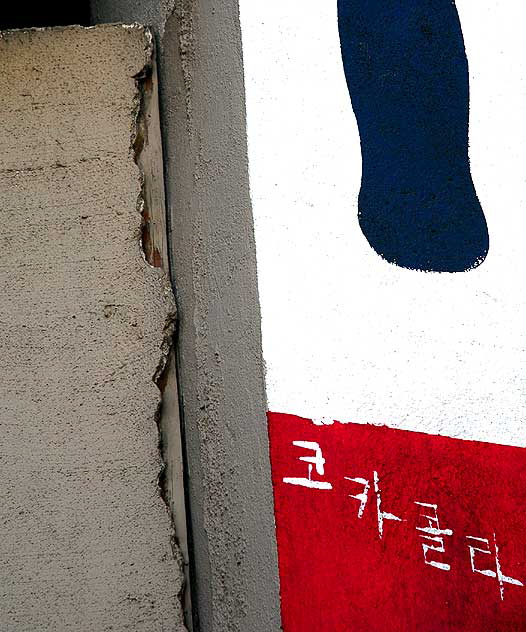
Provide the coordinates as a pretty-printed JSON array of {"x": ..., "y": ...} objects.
[
  {"x": 86, "y": 540},
  {"x": 220, "y": 366}
]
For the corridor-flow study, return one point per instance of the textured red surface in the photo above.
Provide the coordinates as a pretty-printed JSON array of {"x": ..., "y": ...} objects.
[{"x": 338, "y": 574}]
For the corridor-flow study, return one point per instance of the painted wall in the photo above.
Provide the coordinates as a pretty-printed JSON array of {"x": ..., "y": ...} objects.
[{"x": 417, "y": 368}]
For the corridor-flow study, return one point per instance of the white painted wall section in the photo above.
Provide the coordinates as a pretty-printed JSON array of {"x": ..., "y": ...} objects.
[{"x": 346, "y": 335}]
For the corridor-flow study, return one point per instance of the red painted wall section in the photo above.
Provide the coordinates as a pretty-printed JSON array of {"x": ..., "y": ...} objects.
[{"x": 381, "y": 529}]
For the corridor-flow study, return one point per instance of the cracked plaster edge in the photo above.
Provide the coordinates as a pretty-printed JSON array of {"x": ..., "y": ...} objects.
[
  {"x": 157, "y": 270},
  {"x": 73, "y": 27},
  {"x": 178, "y": 33}
]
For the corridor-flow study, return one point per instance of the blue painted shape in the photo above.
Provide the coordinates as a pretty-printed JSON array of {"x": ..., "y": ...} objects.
[{"x": 407, "y": 73}]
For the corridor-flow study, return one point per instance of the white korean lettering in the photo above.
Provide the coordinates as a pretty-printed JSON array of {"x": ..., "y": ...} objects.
[{"x": 315, "y": 460}]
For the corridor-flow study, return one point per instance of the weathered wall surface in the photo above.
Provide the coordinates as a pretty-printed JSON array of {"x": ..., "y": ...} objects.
[
  {"x": 152, "y": 12},
  {"x": 219, "y": 342},
  {"x": 85, "y": 538}
]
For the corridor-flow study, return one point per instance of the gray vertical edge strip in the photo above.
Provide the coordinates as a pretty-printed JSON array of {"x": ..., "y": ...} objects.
[{"x": 221, "y": 373}]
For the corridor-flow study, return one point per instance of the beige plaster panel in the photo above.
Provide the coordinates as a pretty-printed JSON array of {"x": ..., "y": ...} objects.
[{"x": 85, "y": 323}]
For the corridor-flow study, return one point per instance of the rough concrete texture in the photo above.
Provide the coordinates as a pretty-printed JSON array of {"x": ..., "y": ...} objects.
[
  {"x": 220, "y": 354},
  {"x": 220, "y": 366},
  {"x": 86, "y": 540},
  {"x": 152, "y": 12}
]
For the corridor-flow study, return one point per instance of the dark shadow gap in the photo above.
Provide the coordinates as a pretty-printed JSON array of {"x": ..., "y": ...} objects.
[{"x": 42, "y": 14}]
